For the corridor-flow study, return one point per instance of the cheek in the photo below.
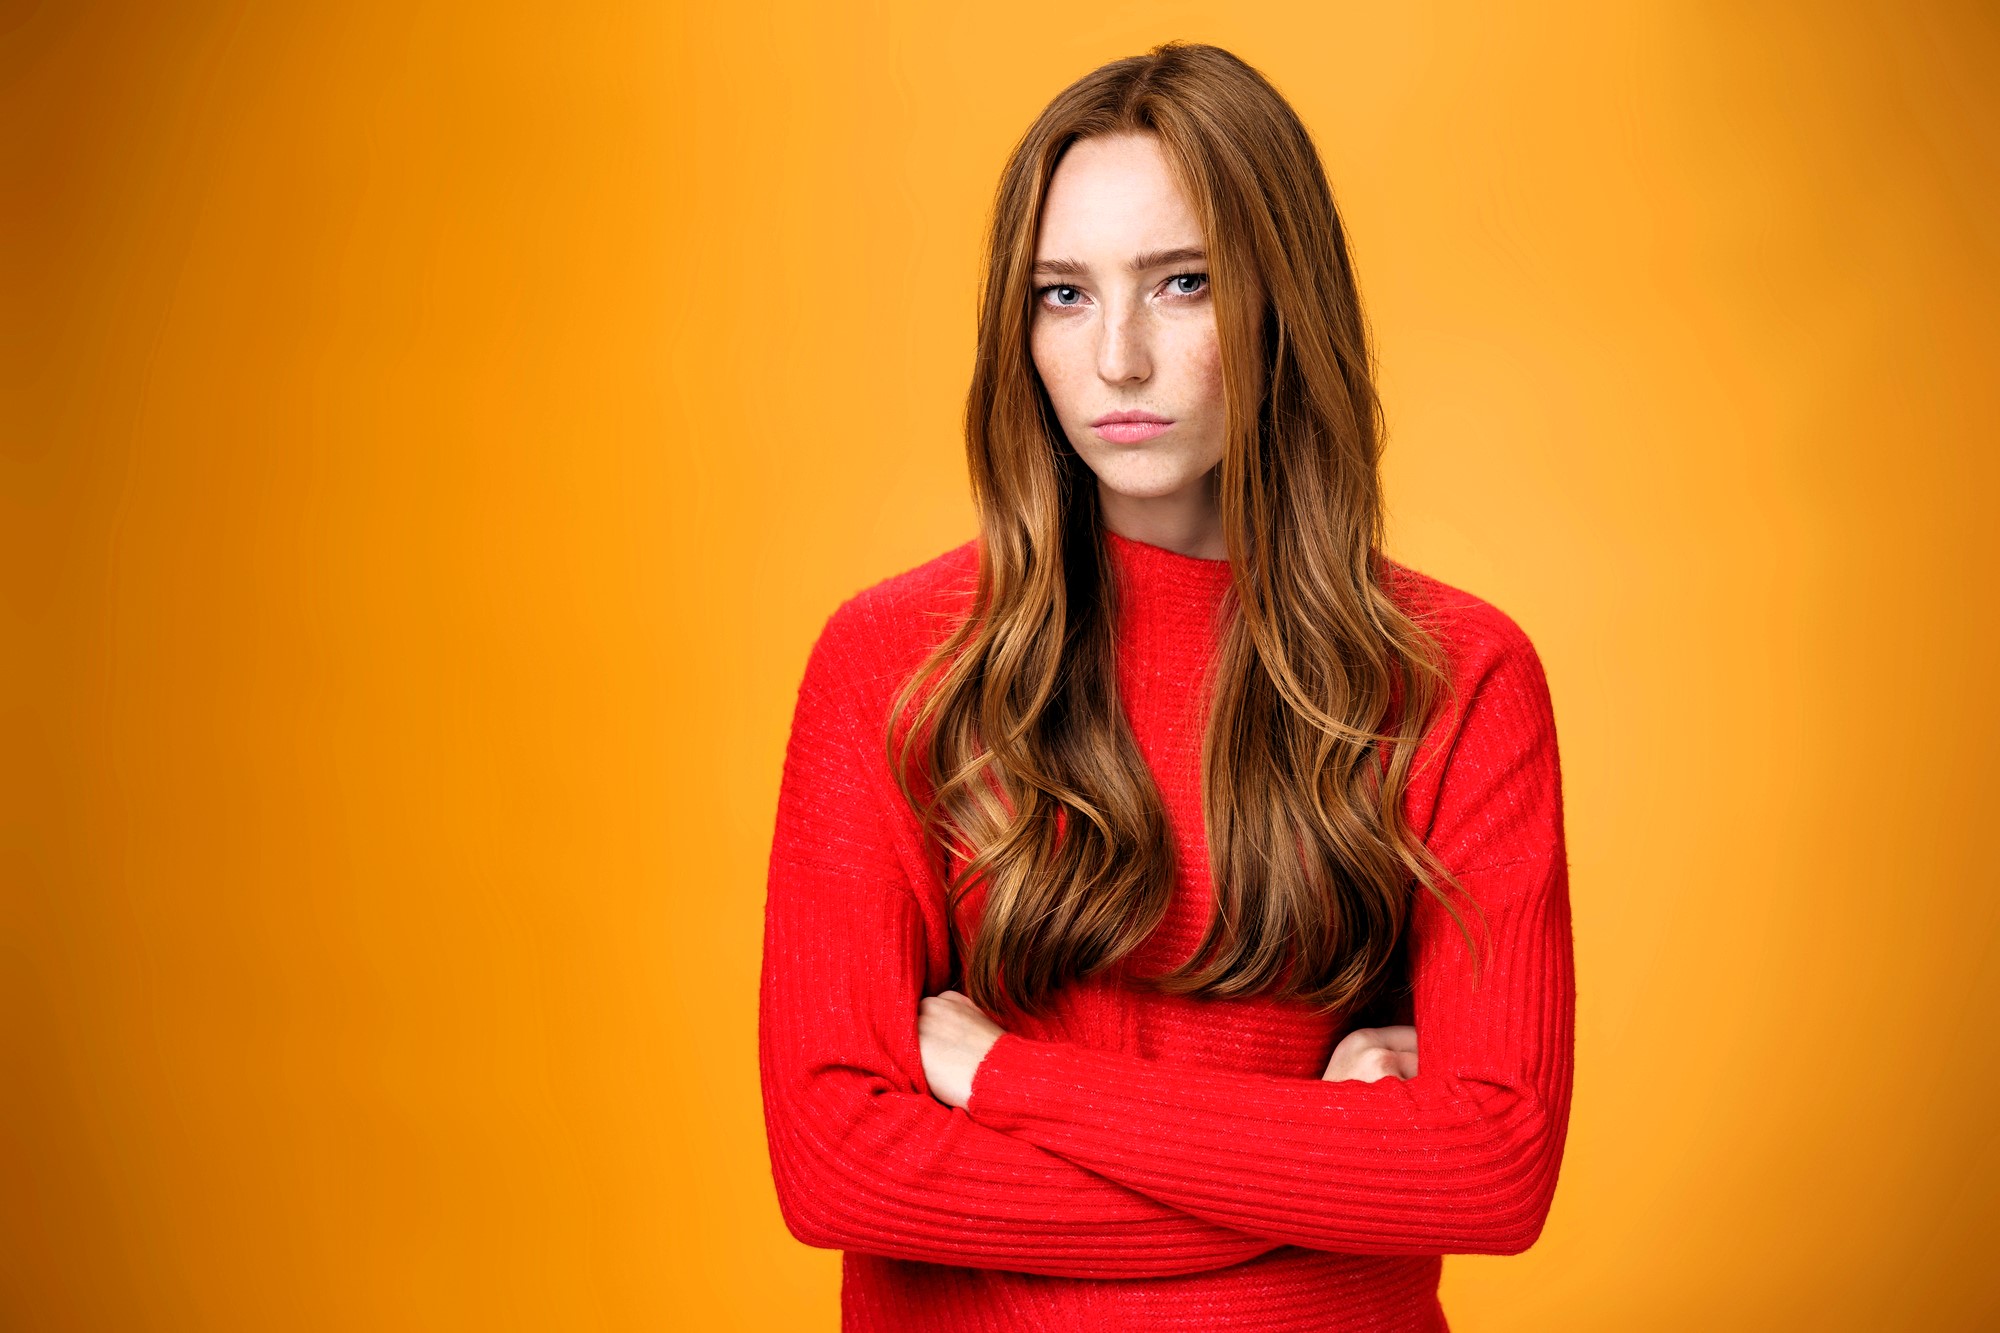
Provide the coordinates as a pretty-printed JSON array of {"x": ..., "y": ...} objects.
[
  {"x": 1055, "y": 359},
  {"x": 1204, "y": 367}
]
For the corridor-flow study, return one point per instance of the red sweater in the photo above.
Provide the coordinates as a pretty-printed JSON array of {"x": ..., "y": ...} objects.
[{"x": 1135, "y": 1161}]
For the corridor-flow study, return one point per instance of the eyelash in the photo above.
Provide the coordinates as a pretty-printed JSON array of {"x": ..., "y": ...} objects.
[{"x": 1041, "y": 293}]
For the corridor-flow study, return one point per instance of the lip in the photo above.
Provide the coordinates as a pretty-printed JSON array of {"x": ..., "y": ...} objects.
[{"x": 1130, "y": 427}]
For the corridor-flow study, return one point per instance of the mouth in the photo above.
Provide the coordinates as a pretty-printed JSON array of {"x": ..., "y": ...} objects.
[{"x": 1130, "y": 427}]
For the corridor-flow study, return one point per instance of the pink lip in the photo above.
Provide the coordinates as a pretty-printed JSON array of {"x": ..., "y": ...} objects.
[{"x": 1130, "y": 427}]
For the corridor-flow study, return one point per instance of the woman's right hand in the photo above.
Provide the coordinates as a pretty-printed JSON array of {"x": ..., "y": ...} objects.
[{"x": 1367, "y": 1054}]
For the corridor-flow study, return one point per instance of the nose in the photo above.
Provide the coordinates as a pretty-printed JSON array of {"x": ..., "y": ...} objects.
[{"x": 1123, "y": 353}]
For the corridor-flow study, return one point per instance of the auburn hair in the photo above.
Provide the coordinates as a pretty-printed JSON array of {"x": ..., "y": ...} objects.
[{"x": 1009, "y": 742}]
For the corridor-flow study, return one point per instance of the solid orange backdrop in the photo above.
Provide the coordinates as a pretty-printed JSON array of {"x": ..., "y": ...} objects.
[{"x": 435, "y": 433}]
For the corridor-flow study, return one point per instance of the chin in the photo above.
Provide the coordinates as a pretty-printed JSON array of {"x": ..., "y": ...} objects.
[
  {"x": 1148, "y": 483},
  {"x": 1147, "y": 493}
]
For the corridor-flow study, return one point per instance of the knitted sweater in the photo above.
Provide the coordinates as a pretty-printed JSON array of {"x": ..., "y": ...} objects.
[{"x": 1137, "y": 1161}]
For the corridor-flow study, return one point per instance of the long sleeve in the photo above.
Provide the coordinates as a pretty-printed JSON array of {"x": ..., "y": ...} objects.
[
  {"x": 863, "y": 1157},
  {"x": 1462, "y": 1158}
]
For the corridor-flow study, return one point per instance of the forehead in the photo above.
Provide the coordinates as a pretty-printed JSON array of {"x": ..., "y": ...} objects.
[{"x": 1113, "y": 195}]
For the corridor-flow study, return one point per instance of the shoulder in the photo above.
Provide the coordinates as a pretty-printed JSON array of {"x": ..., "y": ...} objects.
[
  {"x": 1496, "y": 797},
  {"x": 884, "y": 630},
  {"x": 1499, "y": 710},
  {"x": 1477, "y": 635},
  {"x": 1498, "y": 790},
  {"x": 902, "y": 603}
]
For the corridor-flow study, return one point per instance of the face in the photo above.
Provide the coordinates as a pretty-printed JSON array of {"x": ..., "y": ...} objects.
[{"x": 1123, "y": 323}]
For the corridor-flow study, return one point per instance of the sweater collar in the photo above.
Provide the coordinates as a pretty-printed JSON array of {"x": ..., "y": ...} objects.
[{"x": 1158, "y": 585}]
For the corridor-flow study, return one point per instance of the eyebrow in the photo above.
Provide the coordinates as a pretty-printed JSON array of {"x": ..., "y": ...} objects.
[{"x": 1151, "y": 259}]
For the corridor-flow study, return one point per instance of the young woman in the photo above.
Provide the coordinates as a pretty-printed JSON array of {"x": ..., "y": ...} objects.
[{"x": 1127, "y": 854}]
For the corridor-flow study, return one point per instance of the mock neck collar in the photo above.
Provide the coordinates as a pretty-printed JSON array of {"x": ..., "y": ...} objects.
[{"x": 1156, "y": 583}]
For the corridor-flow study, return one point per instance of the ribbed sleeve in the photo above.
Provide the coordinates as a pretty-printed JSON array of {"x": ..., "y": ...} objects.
[
  {"x": 1463, "y": 1157},
  {"x": 863, "y": 1157}
]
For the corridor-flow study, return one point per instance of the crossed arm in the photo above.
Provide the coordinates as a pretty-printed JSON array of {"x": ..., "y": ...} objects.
[
  {"x": 863, "y": 1156},
  {"x": 1073, "y": 1161}
]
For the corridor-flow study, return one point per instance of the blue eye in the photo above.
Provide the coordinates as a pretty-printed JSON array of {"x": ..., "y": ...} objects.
[
  {"x": 1183, "y": 277},
  {"x": 1059, "y": 287}
]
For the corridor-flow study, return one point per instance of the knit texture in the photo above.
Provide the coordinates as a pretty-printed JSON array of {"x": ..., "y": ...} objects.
[{"x": 1137, "y": 1161}]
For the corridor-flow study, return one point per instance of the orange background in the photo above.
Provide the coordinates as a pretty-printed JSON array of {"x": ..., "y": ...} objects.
[{"x": 435, "y": 432}]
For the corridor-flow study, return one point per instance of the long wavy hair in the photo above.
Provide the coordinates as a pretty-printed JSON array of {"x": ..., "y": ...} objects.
[{"x": 1009, "y": 742}]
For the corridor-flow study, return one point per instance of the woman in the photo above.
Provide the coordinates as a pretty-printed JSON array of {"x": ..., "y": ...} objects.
[{"x": 1125, "y": 853}]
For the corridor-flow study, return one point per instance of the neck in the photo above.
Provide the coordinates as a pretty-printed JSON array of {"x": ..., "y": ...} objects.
[{"x": 1187, "y": 522}]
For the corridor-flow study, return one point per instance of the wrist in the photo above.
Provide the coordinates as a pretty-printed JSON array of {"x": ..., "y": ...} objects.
[{"x": 985, "y": 1065}]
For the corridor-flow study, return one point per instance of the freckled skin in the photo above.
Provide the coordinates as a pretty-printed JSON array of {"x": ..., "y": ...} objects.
[{"x": 1111, "y": 339}]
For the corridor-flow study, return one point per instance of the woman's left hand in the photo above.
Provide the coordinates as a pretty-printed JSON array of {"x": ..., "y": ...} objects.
[{"x": 954, "y": 1035}]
